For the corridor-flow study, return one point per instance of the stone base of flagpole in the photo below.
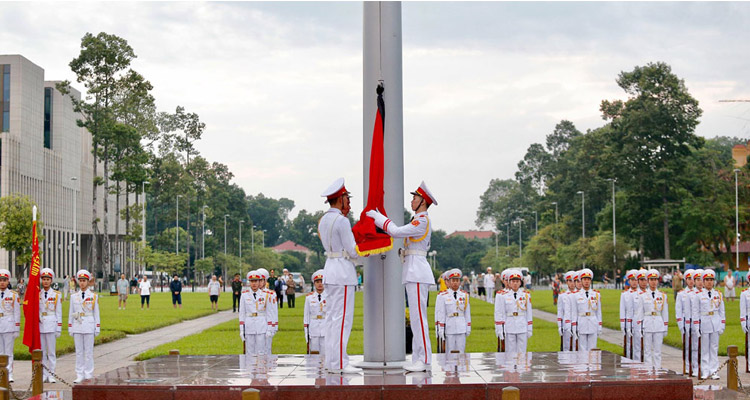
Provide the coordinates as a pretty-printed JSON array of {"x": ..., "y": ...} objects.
[{"x": 381, "y": 365}]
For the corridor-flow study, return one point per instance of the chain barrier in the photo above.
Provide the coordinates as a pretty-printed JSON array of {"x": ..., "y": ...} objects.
[
  {"x": 27, "y": 393},
  {"x": 740, "y": 386},
  {"x": 701, "y": 381},
  {"x": 59, "y": 379}
]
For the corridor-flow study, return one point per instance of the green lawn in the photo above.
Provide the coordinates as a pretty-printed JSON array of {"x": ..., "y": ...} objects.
[
  {"x": 117, "y": 323},
  {"x": 224, "y": 338},
  {"x": 733, "y": 334}
]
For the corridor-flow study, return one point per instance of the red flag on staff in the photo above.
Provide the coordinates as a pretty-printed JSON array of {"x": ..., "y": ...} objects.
[
  {"x": 370, "y": 239},
  {"x": 31, "y": 300}
]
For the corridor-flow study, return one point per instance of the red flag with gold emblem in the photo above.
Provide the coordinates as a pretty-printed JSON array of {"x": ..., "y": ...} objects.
[
  {"x": 31, "y": 300},
  {"x": 370, "y": 239}
]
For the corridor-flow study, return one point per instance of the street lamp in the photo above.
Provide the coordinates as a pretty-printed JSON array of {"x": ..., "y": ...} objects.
[
  {"x": 225, "y": 233},
  {"x": 583, "y": 219},
  {"x": 556, "y": 227},
  {"x": 252, "y": 240},
  {"x": 519, "y": 222},
  {"x": 203, "y": 233},
  {"x": 241, "y": 222},
  {"x": 432, "y": 254},
  {"x": 737, "y": 219},
  {"x": 143, "y": 219},
  {"x": 74, "y": 242},
  {"x": 263, "y": 243},
  {"x": 177, "y": 227},
  {"x": 507, "y": 239},
  {"x": 614, "y": 226},
  {"x": 536, "y": 224}
]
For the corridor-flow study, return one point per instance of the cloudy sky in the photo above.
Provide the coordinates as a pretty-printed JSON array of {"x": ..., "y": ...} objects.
[{"x": 279, "y": 85}]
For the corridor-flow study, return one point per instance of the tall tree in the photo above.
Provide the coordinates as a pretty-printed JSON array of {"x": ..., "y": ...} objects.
[{"x": 15, "y": 228}]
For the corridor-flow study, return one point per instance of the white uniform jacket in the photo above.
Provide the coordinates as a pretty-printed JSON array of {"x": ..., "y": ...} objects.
[
  {"x": 513, "y": 311},
  {"x": 586, "y": 311},
  {"x": 315, "y": 314},
  {"x": 626, "y": 309},
  {"x": 708, "y": 311},
  {"x": 652, "y": 311},
  {"x": 256, "y": 313},
  {"x": 561, "y": 310},
  {"x": 417, "y": 235},
  {"x": 745, "y": 308},
  {"x": 10, "y": 315},
  {"x": 336, "y": 235},
  {"x": 83, "y": 315},
  {"x": 453, "y": 312},
  {"x": 567, "y": 315},
  {"x": 50, "y": 311},
  {"x": 682, "y": 309}
]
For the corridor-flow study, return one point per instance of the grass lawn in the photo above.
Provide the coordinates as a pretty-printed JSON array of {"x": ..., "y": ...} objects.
[
  {"x": 118, "y": 323},
  {"x": 224, "y": 338},
  {"x": 733, "y": 334}
]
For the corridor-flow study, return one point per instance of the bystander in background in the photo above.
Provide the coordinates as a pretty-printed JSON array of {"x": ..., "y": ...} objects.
[
  {"x": 214, "y": 288},
  {"x": 122, "y": 292},
  {"x": 729, "y": 283},
  {"x": 175, "y": 287},
  {"x": 144, "y": 288},
  {"x": 237, "y": 291}
]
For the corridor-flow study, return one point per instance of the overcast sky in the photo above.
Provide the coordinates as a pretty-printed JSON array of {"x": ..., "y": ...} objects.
[{"x": 279, "y": 85}]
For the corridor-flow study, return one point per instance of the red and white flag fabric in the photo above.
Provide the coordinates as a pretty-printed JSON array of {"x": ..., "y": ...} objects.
[{"x": 31, "y": 336}]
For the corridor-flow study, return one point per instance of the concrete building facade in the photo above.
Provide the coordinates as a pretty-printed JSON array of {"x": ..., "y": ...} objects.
[{"x": 45, "y": 155}]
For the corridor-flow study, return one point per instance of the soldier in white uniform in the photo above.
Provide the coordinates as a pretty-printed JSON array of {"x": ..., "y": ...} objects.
[
  {"x": 339, "y": 277},
  {"x": 652, "y": 314},
  {"x": 50, "y": 322},
  {"x": 637, "y": 330},
  {"x": 513, "y": 312},
  {"x": 695, "y": 321},
  {"x": 708, "y": 312},
  {"x": 417, "y": 274},
  {"x": 563, "y": 319},
  {"x": 315, "y": 315},
  {"x": 453, "y": 314},
  {"x": 682, "y": 314},
  {"x": 83, "y": 325},
  {"x": 744, "y": 321},
  {"x": 10, "y": 319},
  {"x": 627, "y": 298},
  {"x": 586, "y": 309},
  {"x": 273, "y": 312},
  {"x": 489, "y": 285},
  {"x": 255, "y": 307}
]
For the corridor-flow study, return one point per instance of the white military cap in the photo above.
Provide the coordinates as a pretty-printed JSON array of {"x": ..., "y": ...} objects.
[
  {"x": 317, "y": 275},
  {"x": 631, "y": 274},
  {"x": 253, "y": 275},
  {"x": 453, "y": 273},
  {"x": 641, "y": 274},
  {"x": 4, "y": 273},
  {"x": 83, "y": 274},
  {"x": 709, "y": 273},
  {"x": 47, "y": 272},
  {"x": 698, "y": 274},
  {"x": 587, "y": 273},
  {"x": 652, "y": 273},
  {"x": 425, "y": 193},
  {"x": 263, "y": 273},
  {"x": 568, "y": 276},
  {"x": 336, "y": 189}
]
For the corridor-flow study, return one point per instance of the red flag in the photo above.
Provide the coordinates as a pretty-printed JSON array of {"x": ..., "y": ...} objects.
[
  {"x": 370, "y": 239},
  {"x": 31, "y": 300}
]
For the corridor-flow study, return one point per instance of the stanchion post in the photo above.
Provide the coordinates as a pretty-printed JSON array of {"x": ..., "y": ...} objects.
[
  {"x": 251, "y": 394},
  {"x": 36, "y": 373},
  {"x": 732, "y": 377},
  {"x": 511, "y": 393},
  {"x": 4, "y": 394},
  {"x": 4, "y": 374},
  {"x": 174, "y": 352}
]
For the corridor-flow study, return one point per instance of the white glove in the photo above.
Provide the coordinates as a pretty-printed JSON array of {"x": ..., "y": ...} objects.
[
  {"x": 306, "y": 338},
  {"x": 97, "y": 331},
  {"x": 468, "y": 330},
  {"x": 242, "y": 333},
  {"x": 499, "y": 332},
  {"x": 599, "y": 331},
  {"x": 378, "y": 217},
  {"x": 57, "y": 334},
  {"x": 559, "y": 331},
  {"x": 697, "y": 333},
  {"x": 721, "y": 331},
  {"x": 629, "y": 332},
  {"x": 16, "y": 334},
  {"x": 575, "y": 335},
  {"x": 744, "y": 327},
  {"x": 529, "y": 333},
  {"x": 441, "y": 333}
]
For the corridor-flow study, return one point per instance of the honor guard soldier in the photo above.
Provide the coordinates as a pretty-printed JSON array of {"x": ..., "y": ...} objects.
[
  {"x": 50, "y": 322},
  {"x": 10, "y": 319},
  {"x": 652, "y": 315},
  {"x": 255, "y": 305},
  {"x": 417, "y": 273},
  {"x": 315, "y": 315},
  {"x": 513, "y": 312},
  {"x": 453, "y": 314},
  {"x": 642, "y": 284},
  {"x": 563, "y": 319},
  {"x": 682, "y": 315},
  {"x": 587, "y": 311},
  {"x": 273, "y": 312},
  {"x": 708, "y": 312},
  {"x": 744, "y": 316},
  {"x": 627, "y": 299},
  {"x": 83, "y": 325},
  {"x": 695, "y": 322},
  {"x": 339, "y": 277}
]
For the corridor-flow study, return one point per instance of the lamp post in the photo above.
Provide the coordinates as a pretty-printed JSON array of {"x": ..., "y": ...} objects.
[
  {"x": 737, "y": 219},
  {"x": 74, "y": 242},
  {"x": 536, "y": 224},
  {"x": 432, "y": 254},
  {"x": 557, "y": 239},
  {"x": 225, "y": 233},
  {"x": 177, "y": 227},
  {"x": 203, "y": 233},
  {"x": 507, "y": 238},
  {"x": 519, "y": 222},
  {"x": 143, "y": 219},
  {"x": 583, "y": 219},
  {"x": 614, "y": 225},
  {"x": 241, "y": 222},
  {"x": 252, "y": 240},
  {"x": 263, "y": 243}
]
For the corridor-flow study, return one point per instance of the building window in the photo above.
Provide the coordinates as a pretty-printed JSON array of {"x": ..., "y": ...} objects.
[
  {"x": 48, "y": 118},
  {"x": 5, "y": 99}
]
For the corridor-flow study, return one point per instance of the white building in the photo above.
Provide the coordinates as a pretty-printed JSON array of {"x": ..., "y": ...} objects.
[{"x": 44, "y": 154}]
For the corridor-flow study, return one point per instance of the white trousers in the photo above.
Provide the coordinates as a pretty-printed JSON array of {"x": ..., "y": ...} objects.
[
  {"x": 84, "y": 355},
  {"x": 696, "y": 357},
  {"x": 317, "y": 343},
  {"x": 455, "y": 342},
  {"x": 567, "y": 342},
  {"x": 652, "y": 342},
  {"x": 490, "y": 294},
  {"x": 269, "y": 345},
  {"x": 339, "y": 320},
  {"x": 421, "y": 347},
  {"x": 586, "y": 341},
  {"x": 49, "y": 358},
  {"x": 710, "y": 350},
  {"x": 637, "y": 335},
  {"x": 255, "y": 344},
  {"x": 6, "y": 348},
  {"x": 515, "y": 343}
]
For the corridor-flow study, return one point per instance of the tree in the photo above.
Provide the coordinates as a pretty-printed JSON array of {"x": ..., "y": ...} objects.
[
  {"x": 15, "y": 228},
  {"x": 269, "y": 214},
  {"x": 654, "y": 134}
]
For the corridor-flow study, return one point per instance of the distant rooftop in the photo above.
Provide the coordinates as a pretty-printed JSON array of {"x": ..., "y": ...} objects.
[
  {"x": 472, "y": 234},
  {"x": 290, "y": 246}
]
